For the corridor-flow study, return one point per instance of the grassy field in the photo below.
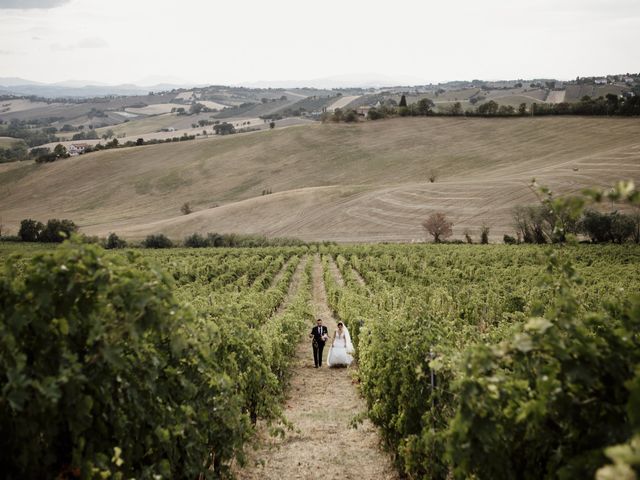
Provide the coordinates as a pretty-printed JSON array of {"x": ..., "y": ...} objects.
[
  {"x": 7, "y": 142},
  {"x": 363, "y": 182}
]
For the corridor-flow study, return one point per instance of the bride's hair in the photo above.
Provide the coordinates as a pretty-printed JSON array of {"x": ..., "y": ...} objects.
[{"x": 340, "y": 323}]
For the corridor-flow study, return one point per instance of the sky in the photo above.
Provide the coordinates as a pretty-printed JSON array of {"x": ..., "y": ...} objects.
[{"x": 243, "y": 42}]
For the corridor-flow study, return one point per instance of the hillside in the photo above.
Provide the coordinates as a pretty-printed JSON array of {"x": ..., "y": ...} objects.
[{"x": 363, "y": 182}]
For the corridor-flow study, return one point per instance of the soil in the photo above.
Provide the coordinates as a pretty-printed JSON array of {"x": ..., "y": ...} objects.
[{"x": 321, "y": 405}]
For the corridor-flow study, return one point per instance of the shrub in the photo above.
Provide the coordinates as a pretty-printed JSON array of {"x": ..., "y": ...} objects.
[
  {"x": 56, "y": 231},
  {"x": 157, "y": 241},
  {"x": 196, "y": 241},
  {"x": 509, "y": 240},
  {"x": 113, "y": 241},
  {"x": 186, "y": 208},
  {"x": 104, "y": 376},
  {"x": 374, "y": 114},
  {"x": 607, "y": 227},
  {"x": 547, "y": 401},
  {"x": 30, "y": 230},
  {"x": 484, "y": 235}
]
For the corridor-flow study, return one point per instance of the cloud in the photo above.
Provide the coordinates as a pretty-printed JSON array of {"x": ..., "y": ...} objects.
[
  {"x": 89, "y": 42},
  {"x": 31, "y": 4}
]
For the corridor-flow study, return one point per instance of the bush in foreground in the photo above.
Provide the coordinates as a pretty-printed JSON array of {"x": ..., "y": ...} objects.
[{"x": 103, "y": 376}]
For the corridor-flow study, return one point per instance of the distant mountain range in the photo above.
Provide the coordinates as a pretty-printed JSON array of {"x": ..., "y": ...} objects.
[
  {"x": 91, "y": 88},
  {"x": 80, "y": 88}
]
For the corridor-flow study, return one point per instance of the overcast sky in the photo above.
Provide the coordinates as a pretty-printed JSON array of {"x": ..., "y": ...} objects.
[{"x": 232, "y": 42}]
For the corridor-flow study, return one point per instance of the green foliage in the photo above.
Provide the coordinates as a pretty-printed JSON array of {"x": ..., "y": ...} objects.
[
  {"x": 157, "y": 241},
  {"x": 56, "y": 231},
  {"x": 30, "y": 230},
  {"x": 14, "y": 153},
  {"x": 195, "y": 241},
  {"x": 484, "y": 235},
  {"x": 113, "y": 241},
  {"x": 545, "y": 402},
  {"x": 238, "y": 240},
  {"x": 509, "y": 240},
  {"x": 98, "y": 363},
  {"x": 425, "y": 106},
  {"x": 111, "y": 368},
  {"x": 31, "y": 136},
  {"x": 489, "y": 108},
  {"x": 603, "y": 227},
  {"x": 224, "y": 129},
  {"x": 457, "y": 315}
]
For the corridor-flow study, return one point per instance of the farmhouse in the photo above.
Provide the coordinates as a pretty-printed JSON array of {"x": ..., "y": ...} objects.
[{"x": 77, "y": 148}]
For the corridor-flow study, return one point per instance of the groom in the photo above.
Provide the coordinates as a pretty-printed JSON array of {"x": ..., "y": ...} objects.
[{"x": 320, "y": 334}]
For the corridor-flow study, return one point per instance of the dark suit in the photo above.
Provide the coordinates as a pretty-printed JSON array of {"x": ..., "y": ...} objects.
[{"x": 318, "y": 343}]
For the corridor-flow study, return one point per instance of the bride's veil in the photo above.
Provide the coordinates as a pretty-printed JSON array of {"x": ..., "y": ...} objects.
[{"x": 347, "y": 337}]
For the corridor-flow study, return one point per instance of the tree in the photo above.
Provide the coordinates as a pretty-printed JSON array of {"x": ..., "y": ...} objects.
[
  {"x": 272, "y": 124},
  {"x": 140, "y": 141},
  {"x": 60, "y": 151},
  {"x": 196, "y": 108},
  {"x": 622, "y": 227},
  {"x": 196, "y": 241},
  {"x": 350, "y": 116},
  {"x": 403, "y": 101},
  {"x": 438, "y": 226},
  {"x": 56, "y": 231},
  {"x": 157, "y": 241},
  {"x": 113, "y": 241},
  {"x": 30, "y": 230},
  {"x": 489, "y": 108},
  {"x": 522, "y": 109},
  {"x": 484, "y": 235},
  {"x": 456, "y": 109},
  {"x": 425, "y": 106},
  {"x": 186, "y": 208},
  {"x": 374, "y": 114},
  {"x": 224, "y": 129}
]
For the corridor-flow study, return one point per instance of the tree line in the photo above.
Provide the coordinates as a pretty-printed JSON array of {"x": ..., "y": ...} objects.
[
  {"x": 56, "y": 231},
  {"x": 609, "y": 105}
]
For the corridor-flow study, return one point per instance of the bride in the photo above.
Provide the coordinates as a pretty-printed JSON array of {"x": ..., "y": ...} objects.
[{"x": 341, "y": 348}]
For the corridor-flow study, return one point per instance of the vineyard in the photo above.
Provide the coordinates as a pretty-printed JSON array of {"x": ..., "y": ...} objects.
[{"x": 475, "y": 361}]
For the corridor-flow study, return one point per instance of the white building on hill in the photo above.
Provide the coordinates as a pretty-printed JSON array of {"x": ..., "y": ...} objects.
[{"x": 77, "y": 148}]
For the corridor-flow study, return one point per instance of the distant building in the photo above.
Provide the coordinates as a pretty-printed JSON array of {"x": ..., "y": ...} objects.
[
  {"x": 77, "y": 148},
  {"x": 600, "y": 81},
  {"x": 364, "y": 110}
]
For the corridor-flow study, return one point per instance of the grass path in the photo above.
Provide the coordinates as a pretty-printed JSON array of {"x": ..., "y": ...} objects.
[{"x": 320, "y": 405}]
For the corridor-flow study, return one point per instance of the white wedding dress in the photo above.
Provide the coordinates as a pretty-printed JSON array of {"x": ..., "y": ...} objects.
[{"x": 341, "y": 349}]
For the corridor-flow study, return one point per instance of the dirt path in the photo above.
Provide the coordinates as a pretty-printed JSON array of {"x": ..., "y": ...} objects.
[{"x": 321, "y": 404}]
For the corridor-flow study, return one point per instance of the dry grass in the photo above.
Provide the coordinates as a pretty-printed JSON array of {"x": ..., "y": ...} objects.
[
  {"x": 321, "y": 404},
  {"x": 8, "y": 142},
  {"x": 364, "y": 182}
]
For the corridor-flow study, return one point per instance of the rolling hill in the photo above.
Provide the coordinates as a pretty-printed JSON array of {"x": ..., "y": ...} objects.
[{"x": 347, "y": 183}]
